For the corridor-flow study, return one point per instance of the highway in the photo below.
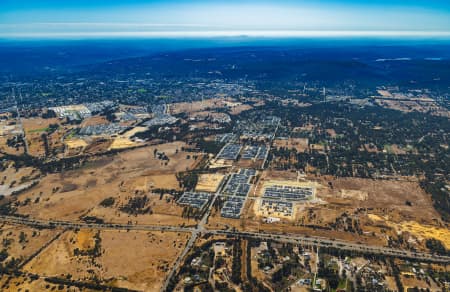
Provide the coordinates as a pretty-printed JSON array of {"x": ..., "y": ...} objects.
[{"x": 200, "y": 229}]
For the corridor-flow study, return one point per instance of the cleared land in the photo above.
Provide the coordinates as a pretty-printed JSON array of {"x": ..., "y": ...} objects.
[
  {"x": 77, "y": 193},
  {"x": 142, "y": 268},
  {"x": 22, "y": 242},
  {"x": 209, "y": 182},
  {"x": 299, "y": 144},
  {"x": 125, "y": 141},
  {"x": 340, "y": 206}
]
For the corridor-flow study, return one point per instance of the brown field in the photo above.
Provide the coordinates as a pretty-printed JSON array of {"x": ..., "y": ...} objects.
[
  {"x": 209, "y": 182},
  {"x": 36, "y": 125},
  {"x": 424, "y": 105},
  {"x": 121, "y": 143},
  {"x": 98, "y": 145},
  {"x": 237, "y": 108},
  {"x": 202, "y": 115},
  {"x": 76, "y": 143},
  {"x": 396, "y": 149},
  {"x": 12, "y": 180},
  {"x": 331, "y": 132},
  {"x": 300, "y": 144},
  {"x": 233, "y": 106},
  {"x": 77, "y": 192},
  {"x": 124, "y": 140},
  {"x": 248, "y": 163},
  {"x": 349, "y": 195},
  {"x": 164, "y": 212},
  {"x": 11, "y": 175},
  {"x": 23, "y": 283},
  {"x": 195, "y": 106},
  {"x": 33, "y": 240},
  {"x": 9, "y": 150},
  {"x": 413, "y": 282},
  {"x": 94, "y": 120},
  {"x": 387, "y": 196},
  {"x": 34, "y": 128},
  {"x": 142, "y": 268},
  {"x": 424, "y": 231}
]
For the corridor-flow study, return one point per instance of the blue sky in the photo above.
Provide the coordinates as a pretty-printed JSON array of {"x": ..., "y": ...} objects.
[{"x": 95, "y": 18}]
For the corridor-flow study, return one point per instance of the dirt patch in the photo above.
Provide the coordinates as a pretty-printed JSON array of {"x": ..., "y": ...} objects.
[
  {"x": 424, "y": 231},
  {"x": 209, "y": 182},
  {"x": 94, "y": 120}
]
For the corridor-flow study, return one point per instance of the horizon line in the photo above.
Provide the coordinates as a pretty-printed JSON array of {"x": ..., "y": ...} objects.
[{"x": 229, "y": 33}]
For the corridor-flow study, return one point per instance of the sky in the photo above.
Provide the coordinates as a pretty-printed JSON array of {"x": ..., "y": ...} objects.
[{"x": 201, "y": 18}]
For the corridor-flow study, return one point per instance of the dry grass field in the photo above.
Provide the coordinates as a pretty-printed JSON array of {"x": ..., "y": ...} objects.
[
  {"x": 22, "y": 242},
  {"x": 34, "y": 129},
  {"x": 94, "y": 120},
  {"x": 22, "y": 283},
  {"x": 422, "y": 232},
  {"x": 209, "y": 182},
  {"x": 195, "y": 106},
  {"x": 164, "y": 211},
  {"x": 76, "y": 193},
  {"x": 234, "y": 107},
  {"x": 13, "y": 180},
  {"x": 405, "y": 103},
  {"x": 388, "y": 197},
  {"x": 350, "y": 196},
  {"x": 38, "y": 125},
  {"x": 141, "y": 268},
  {"x": 300, "y": 144},
  {"x": 124, "y": 140},
  {"x": 76, "y": 143}
]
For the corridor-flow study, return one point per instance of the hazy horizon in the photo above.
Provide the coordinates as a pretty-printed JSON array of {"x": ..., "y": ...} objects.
[{"x": 177, "y": 18}]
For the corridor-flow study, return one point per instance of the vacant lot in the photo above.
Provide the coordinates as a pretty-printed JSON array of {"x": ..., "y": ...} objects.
[
  {"x": 124, "y": 140},
  {"x": 35, "y": 128},
  {"x": 142, "y": 268},
  {"x": 423, "y": 231},
  {"x": 342, "y": 202},
  {"x": 75, "y": 193},
  {"x": 38, "y": 125},
  {"x": 164, "y": 211},
  {"x": 195, "y": 106},
  {"x": 233, "y": 106},
  {"x": 209, "y": 182},
  {"x": 400, "y": 199},
  {"x": 75, "y": 143},
  {"x": 299, "y": 144},
  {"x": 22, "y": 242}
]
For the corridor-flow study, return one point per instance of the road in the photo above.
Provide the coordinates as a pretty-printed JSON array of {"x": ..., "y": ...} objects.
[
  {"x": 200, "y": 229},
  {"x": 96, "y": 226},
  {"x": 195, "y": 234}
]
